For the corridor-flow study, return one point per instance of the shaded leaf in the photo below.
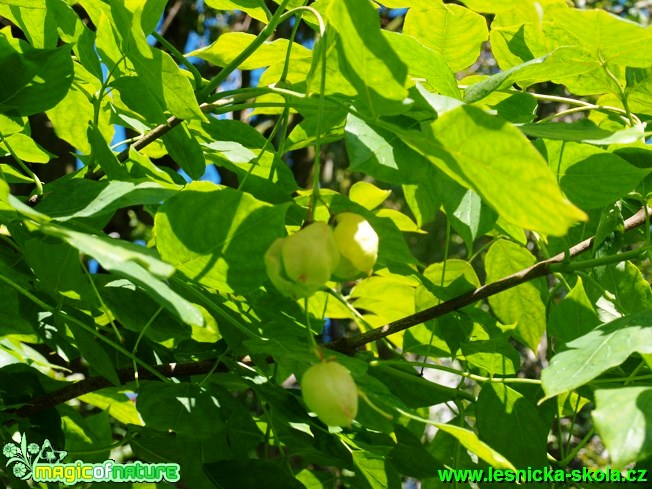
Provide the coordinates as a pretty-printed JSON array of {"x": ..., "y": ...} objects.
[
  {"x": 624, "y": 420},
  {"x": 589, "y": 356},
  {"x": 522, "y": 304},
  {"x": 218, "y": 236},
  {"x": 366, "y": 58}
]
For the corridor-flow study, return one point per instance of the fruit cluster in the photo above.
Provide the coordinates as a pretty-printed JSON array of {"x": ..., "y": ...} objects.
[{"x": 298, "y": 265}]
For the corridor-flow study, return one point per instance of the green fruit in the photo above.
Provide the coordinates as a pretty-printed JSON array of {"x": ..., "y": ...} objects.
[
  {"x": 358, "y": 245},
  {"x": 300, "y": 264},
  {"x": 330, "y": 392}
]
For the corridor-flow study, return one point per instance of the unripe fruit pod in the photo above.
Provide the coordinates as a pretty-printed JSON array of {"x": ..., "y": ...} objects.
[
  {"x": 300, "y": 264},
  {"x": 357, "y": 243},
  {"x": 330, "y": 392}
]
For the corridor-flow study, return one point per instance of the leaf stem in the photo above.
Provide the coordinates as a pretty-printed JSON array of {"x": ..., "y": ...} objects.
[
  {"x": 373, "y": 406},
  {"x": 598, "y": 262},
  {"x": 568, "y": 458},
  {"x": 311, "y": 337},
  {"x": 621, "y": 91},
  {"x": 317, "y": 164},
  {"x": 461, "y": 373},
  {"x": 215, "y": 82},
  {"x": 585, "y": 108},
  {"x": 140, "y": 337},
  {"x": 106, "y": 310},
  {"x": 32, "y": 175},
  {"x": 199, "y": 81}
]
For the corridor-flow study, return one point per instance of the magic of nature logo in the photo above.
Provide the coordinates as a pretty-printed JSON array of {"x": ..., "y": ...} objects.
[{"x": 42, "y": 463}]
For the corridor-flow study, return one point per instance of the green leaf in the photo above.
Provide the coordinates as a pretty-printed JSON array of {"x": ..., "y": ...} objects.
[
  {"x": 39, "y": 27},
  {"x": 410, "y": 456},
  {"x": 102, "y": 154},
  {"x": 366, "y": 58},
  {"x": 573, "y": 317},
  {"x": 368, "y": 195},
  {"x": 607, "y": 37},
  {"x": 510, "y": 424},
  {"x": 624, "y": 421},
  {"x": 137, "y": 96},
  {"x": 251, "y": 7},
  {"x": 401, "y": 221},
  {"x": 305, "y": 133},
  {"x": 72, "y": 115},
  {"x": 382, "y": 154},
  {"x": 609, "y": 235},
  {"x": 82, "y": 198},
  {"x": 134, "y": 309},
  {"x": 186, "y": 151},
  {"x": 218, "y": 236},
  {"x": 424, "y": 63},
  {"x": 132, "y": 261},
  {"x": 41, "y": 77},
  {"x": 493, "y": 158},
  {"x": 459, "y": 278},
  {"x": 630, "y": 290},
  {"x": 27, "y": 149},
  {"x": 456, "y": 33},
  {"x": 12, "y": 124},
  {"x": 468, "y": 216},
  {"x": 179, "y": 407},
  {"x": 227, "y": 474},
  {"x": 12, "y": 175},
  {"x": 423, "y": 198},
  {"x": 115, "y": 402},
  {"x": 492, "y": 6},
  {"x": 157, "y": 447},
  {"x": 410, "y": 387},
  {"x": 493, "y": 357},
  {"x": 12, "y": 314},
  {"x": 573, "y": 66},
  {"x": 229, "y": 45},
  {"x": 584, "y": 131},
  {"x": 94, "y": 354},
  {"x": 119, "y": 30},
  {"x": 87, "y": 434},
  {"x": 518, "y": 108},
  {"x": 239, "y": 147},
  {"x": 523, "y": 304},
  {"x": 389, "y": 298},
  {"x": 472, "y": 443},
  {"x": 374, "y": 471},
  {"x": 589, "y": 176},
  {"x": 501, "y": 80},
  {"x": 589, "y": 356},
  {"x": 315, "y": 479},
  {"x": 58, "y": 268}
]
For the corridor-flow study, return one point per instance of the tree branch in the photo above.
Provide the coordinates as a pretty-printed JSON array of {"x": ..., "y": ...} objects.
[
  {"x": 344, "y": 345},
  {"x": 540, "y": 269},
  {"x": 125, "y": 375}
]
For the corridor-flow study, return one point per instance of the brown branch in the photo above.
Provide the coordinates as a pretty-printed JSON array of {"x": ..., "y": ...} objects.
[
  {"x": 540, "y": 269},
  {"x": 146, "y": 140},
  {"x": 344, "y": 345},
  {"x": 125, "y": 375},
  {"x": 159, "y": 131}
]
